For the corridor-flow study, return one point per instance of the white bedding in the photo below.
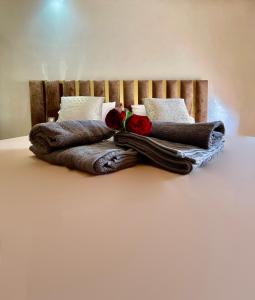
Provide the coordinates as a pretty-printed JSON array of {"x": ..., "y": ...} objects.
[{"x": 141, "y": 233}]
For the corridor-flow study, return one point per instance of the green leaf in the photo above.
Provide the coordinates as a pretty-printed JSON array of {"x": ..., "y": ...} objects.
[{"x": 128, "y": 115}]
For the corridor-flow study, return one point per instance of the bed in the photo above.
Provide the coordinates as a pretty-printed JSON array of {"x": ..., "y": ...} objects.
[{"x": 141, "y": 233}]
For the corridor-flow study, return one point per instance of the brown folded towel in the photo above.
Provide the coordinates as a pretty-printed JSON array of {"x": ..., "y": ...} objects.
[
  {"x": 174, "y": 157},
  {"x": 98, "y": 159},
  {"x": 47, "y": 137},
  {"x": 203, "y": 135}
]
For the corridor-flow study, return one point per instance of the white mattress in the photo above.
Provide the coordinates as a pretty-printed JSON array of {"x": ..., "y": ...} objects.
[{"x": 141, "y": 233}]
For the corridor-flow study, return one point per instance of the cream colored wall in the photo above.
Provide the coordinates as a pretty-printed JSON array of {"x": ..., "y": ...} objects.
[{"x": 64, "y": 39}]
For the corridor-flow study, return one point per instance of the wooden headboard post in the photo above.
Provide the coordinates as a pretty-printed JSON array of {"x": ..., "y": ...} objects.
[{"x": 45, "y": 95}]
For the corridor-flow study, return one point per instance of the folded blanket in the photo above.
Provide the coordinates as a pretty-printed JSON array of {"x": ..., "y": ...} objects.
[
  {"x": 47, "y": 137},
  {"x": 175, "y": 157},
  {"x": 99, "y": 158},
  {"x": 203, "y": 135}
]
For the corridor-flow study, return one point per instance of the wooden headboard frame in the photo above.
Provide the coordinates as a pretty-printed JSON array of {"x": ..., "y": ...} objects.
[{"x": 45, "y": 95}]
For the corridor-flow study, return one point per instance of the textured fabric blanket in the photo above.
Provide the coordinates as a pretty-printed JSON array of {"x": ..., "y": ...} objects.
[
  {"x": 47, "y": 137},
  {"x": 203, "y": 135},
  {"x": 175, "y": 157},
  {"x": 99, "y": 158}
]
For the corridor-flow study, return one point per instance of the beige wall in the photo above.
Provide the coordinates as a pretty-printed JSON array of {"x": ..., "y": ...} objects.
[{"x": 54, "y": 39}]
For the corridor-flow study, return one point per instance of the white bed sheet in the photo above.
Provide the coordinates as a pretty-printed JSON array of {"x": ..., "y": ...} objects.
[{"x": 141, "y": 233}]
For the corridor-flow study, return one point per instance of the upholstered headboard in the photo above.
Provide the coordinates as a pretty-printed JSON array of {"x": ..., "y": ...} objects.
[{"x": 45, "y": 95}]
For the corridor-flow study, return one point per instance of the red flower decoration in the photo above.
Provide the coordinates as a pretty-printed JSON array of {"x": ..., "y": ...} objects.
[
  {"x": 123, "y": 115},
  {"x": 139, "y": 125},
  {"x": 114, "y": 119}
]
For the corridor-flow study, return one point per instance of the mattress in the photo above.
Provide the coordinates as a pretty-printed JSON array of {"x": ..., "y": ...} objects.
[{"x": 141, "y": 233}]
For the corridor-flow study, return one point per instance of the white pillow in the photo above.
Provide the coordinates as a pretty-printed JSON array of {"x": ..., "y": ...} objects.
[
  {"x": 80, "y": 108},
  {"x": 106, "y": 108},
  {"x": 192, "y": 120},
  {"x": 139, "y": 110},
  {"x": 167, "y": 110}
]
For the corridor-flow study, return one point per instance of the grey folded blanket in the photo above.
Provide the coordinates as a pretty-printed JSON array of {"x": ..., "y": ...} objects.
[
  {"x": 203, "y": 135},
  {"x": 99, "y": 158},
  {"x": 174, "y": 157},
  {"x": 47, "y": 137},
  {"x": 80, "y": 145}
]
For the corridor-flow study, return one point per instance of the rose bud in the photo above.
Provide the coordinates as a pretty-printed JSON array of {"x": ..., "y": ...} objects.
[
  {"x": 123, "y": 115},
  {"x": 139, "y": 125},
  {"x": 113, "y": 119}
]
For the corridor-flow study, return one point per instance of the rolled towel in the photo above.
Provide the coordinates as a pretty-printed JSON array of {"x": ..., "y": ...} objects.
[
  {"x": 99, "y": 158},
  {"x": 48, "y": 137},
  {"x": 203, "y": 135},
  {"x": 175, "y": 157}
]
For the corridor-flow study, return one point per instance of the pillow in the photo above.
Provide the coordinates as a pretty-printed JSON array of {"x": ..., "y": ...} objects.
[
  {"x": 106, "y": 108},
  {"x": 167, "y": 110},
  {"x": 139, "y": 110},
  {"x": 192, "y": 120},
  {"x": 80, "y": 108}
]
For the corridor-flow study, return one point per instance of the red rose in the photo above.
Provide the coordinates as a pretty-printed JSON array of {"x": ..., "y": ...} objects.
[
  {"x": 139, "y": 125},
  {"x": 114, "y": 119},
  {"x": 123, "y": 115}
]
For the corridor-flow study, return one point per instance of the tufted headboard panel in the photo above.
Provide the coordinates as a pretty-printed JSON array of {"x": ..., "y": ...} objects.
[{"x": 45, "y": 95}]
